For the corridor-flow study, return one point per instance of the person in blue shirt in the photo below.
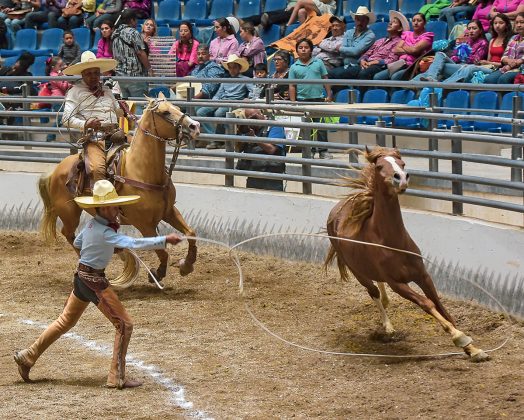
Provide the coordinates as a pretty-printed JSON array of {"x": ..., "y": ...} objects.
[{"x": 96, "y": 243}]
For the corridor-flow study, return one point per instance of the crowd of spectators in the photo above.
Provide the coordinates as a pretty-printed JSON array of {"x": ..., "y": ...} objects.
[{"x": 485, "y": 45}]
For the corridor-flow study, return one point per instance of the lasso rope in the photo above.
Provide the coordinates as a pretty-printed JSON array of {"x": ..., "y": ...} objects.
[{"x": 236, "y": 260}]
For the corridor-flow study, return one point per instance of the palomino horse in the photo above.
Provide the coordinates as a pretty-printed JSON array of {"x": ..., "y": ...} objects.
[
  {"x": 143, "y": 173},
  {"x": 372, "y": 214}
]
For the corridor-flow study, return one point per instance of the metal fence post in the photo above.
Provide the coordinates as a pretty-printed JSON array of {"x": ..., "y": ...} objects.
[
  {"x": 191, "y": 112},
  {"x": 230, "y": 147},
  {"x": 270, "y": 95},
  {"x": 516, "y": 151},
  {"x": 26, "y": 91},
  {"x": 456, "y": 169},
  {"x": 433, "y": 124},
  {"x": 353, "y": 135},
  {"x": 306, "y": 154},
  {"x": 381, "y": 137}
]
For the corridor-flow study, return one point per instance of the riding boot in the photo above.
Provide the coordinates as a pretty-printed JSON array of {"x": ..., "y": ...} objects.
[
  {"x": 73, "y": 309},
  {"x": 113, "y": 310},
  {"x": 95, "y": 161}
]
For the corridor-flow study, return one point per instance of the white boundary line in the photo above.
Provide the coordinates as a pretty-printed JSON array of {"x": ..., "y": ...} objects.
[{"x": 177, "y": 391}]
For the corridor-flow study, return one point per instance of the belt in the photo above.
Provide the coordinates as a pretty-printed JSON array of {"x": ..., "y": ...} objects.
[{"x": 87, "y": 269}]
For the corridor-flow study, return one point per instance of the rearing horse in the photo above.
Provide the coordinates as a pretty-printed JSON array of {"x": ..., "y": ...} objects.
[
  {"x": 143, "y": 173},
  {"x": 372, "y": 214}
]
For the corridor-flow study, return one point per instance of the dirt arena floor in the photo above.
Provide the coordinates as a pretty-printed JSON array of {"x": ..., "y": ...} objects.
[{"x": 201, "y": 355}]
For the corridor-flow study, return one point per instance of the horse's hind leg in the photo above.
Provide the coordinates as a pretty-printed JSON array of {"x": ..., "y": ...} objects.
[
  {"x": 163, "y": 256},
  {"x": 175, "y": 219},
  {"x": 459, "y": 338},
  {"x": 69, "y": 213}
]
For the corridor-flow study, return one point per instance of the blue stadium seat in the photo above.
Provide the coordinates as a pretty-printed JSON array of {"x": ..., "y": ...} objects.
[
  {"x": 352, "y": 6},
  {"x": 409, "y": 8},
  {"x": 195, "y": 11},
  {"x": 485, "y": 100},
  {"x": 163, "y": 31},
  {"x": 439, "y": 28},
  {"x": 221, "y": 8},
  {"x": 169, "y": 13},
  {"x": 153, "y": 92},
  {"x": 506, "y": 104},
  {"x": 272, "y": 5},
  {"x": 25, "y": 40},
  {"x": 270, "y": 35},
  {"x": 342, "y": 97},
  {"x": 98, "y": 35},
  {"x": 248, "y": 8},
  {"x": 373, "y": 96},
  {"x": 382, "y": 8},
  {"x": 38, "y": 67},
  {"x": 9, "y": 61},
  {"x": 50, "y": 42},
  {"x": 291, "y": 28},
  {"x": 409, "y": 122},
  {"x": 380, "y": 29},
  {"x": 401, "y": 96},
  {"x": 82, "y": 37},
  {"x": 456, "y": 99}
]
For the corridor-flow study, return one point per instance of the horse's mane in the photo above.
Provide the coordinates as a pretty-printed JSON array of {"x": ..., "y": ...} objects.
[{"x": 362, "y": 197}]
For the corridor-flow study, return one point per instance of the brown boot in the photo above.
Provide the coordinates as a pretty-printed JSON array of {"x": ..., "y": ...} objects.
[
  {"x": 23, "y": 369},
  {"x": 73, "y": 309}
]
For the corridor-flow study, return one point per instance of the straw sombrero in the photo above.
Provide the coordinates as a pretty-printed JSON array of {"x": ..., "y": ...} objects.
[
  {"x": 104, "y": 195},
  {"x": 364, "y": 11},
  {"x": 88, "y": 60},
  {"x": 233, "y": 58},
  {"x": 181, "y": 89},
  {"x": 403, "y": 20}
]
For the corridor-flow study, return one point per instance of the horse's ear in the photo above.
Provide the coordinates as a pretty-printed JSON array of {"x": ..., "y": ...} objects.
[
  {"x": 149, "y": 99},
  {"x": 161, "y": 95},
  {"x": 367, "y": 150}
]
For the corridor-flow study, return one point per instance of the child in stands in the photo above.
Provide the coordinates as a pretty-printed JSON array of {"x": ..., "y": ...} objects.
[{"x": 70, "y": 51}]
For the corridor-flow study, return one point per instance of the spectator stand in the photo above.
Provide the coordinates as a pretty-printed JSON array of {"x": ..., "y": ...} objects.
[{"x": 162, "y": 63}]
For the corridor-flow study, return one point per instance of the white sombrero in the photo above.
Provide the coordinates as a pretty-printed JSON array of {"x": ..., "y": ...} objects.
[
  {"x": 364, "y": 11},
  {"x": 403, "y": 20},
  {"x": 181, "y": 89},
  {"x": 233, "y": 58},
  {"x": 88, "y": 60},
  {"x": 104, "y": 195},
  {"x": 233, "y": 21}
]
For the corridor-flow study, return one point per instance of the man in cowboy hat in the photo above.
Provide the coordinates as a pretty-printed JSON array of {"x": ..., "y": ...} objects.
[
  {"x": 356, "y": 41},
  {"x": 92, "y": 108},
  {"x": 97, "y": 242},
  {"x": 235, "y": 65}
]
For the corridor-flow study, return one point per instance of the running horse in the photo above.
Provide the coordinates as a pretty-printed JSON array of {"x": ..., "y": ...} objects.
[
  {"x": 371, "y": 213},
  {"x": 143, "y": 173}
]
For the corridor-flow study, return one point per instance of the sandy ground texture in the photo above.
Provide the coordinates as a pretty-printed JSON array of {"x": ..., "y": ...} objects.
[{"x": 200, "y": 354}]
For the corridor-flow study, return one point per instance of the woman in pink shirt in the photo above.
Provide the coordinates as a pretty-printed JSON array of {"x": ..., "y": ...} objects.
[
  {"x": 104, "y": 43},
  {"x": 413, "y": 45},
  {"x": 482, "y": 13},
  {"x": 225, "y": 42},
  {"x": 185, "y": 50},
  {"x": 511, "y": 8}
]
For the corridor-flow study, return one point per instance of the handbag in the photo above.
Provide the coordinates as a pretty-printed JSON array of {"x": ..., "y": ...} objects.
[
  {"x": 72, "y": 8},
  {"x": 18, "y": 14}
]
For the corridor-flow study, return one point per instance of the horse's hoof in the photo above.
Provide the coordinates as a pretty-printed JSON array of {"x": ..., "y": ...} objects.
[
  {"x": 184, "y": 268},
  {"x": 478, "y": 355},
  {"x": 462, "y": 340},
  {"x": 151, "y": 279}
]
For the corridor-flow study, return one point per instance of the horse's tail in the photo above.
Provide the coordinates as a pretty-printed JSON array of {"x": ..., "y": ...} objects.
[
  {"x": 48, "y": 220},
  {"x": 342, "y": 268}
]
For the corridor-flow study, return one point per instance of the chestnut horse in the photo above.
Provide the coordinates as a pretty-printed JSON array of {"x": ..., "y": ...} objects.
[
  {"x": 144, "y": 161},
  {"x": 372, "y": 214}
]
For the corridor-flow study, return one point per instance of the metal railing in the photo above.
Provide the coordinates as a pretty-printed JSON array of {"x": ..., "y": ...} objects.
[{"x": 308, "y": 171}]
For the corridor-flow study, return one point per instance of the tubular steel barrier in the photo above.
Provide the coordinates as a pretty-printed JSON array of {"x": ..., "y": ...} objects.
[{"x": 303, "y": 168}]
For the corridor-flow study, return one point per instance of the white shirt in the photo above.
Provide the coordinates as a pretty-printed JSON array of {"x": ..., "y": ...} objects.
[{"x": 81, "y": 105}]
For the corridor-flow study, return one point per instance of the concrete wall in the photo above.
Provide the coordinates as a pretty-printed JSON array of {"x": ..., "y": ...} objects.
[{"x": 460, "y": 248}]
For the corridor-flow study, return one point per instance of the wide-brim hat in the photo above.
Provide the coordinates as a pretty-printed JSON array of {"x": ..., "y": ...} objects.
[
  {"x": 105, "y": 195},
  {"x": 233, "y": 21},
  {"x": 337, "y": 18},
  {"x": 88, "y": 60},
  {"x": 364, "y": 11},
  {"x": 403, "y": 19},
  {"x": 233, "y": 58},
  {"x": 181, "y": 89}
]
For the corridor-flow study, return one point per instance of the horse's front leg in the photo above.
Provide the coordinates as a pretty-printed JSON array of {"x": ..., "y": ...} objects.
[
  {"x": 175, "y": 219},
  {"x": 162, "y": 254}
]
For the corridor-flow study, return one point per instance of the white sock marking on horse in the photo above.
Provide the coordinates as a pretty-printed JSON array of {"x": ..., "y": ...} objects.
[
  {"x": 393, "y": 163},
  {"x": 177, "y": 391}
]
